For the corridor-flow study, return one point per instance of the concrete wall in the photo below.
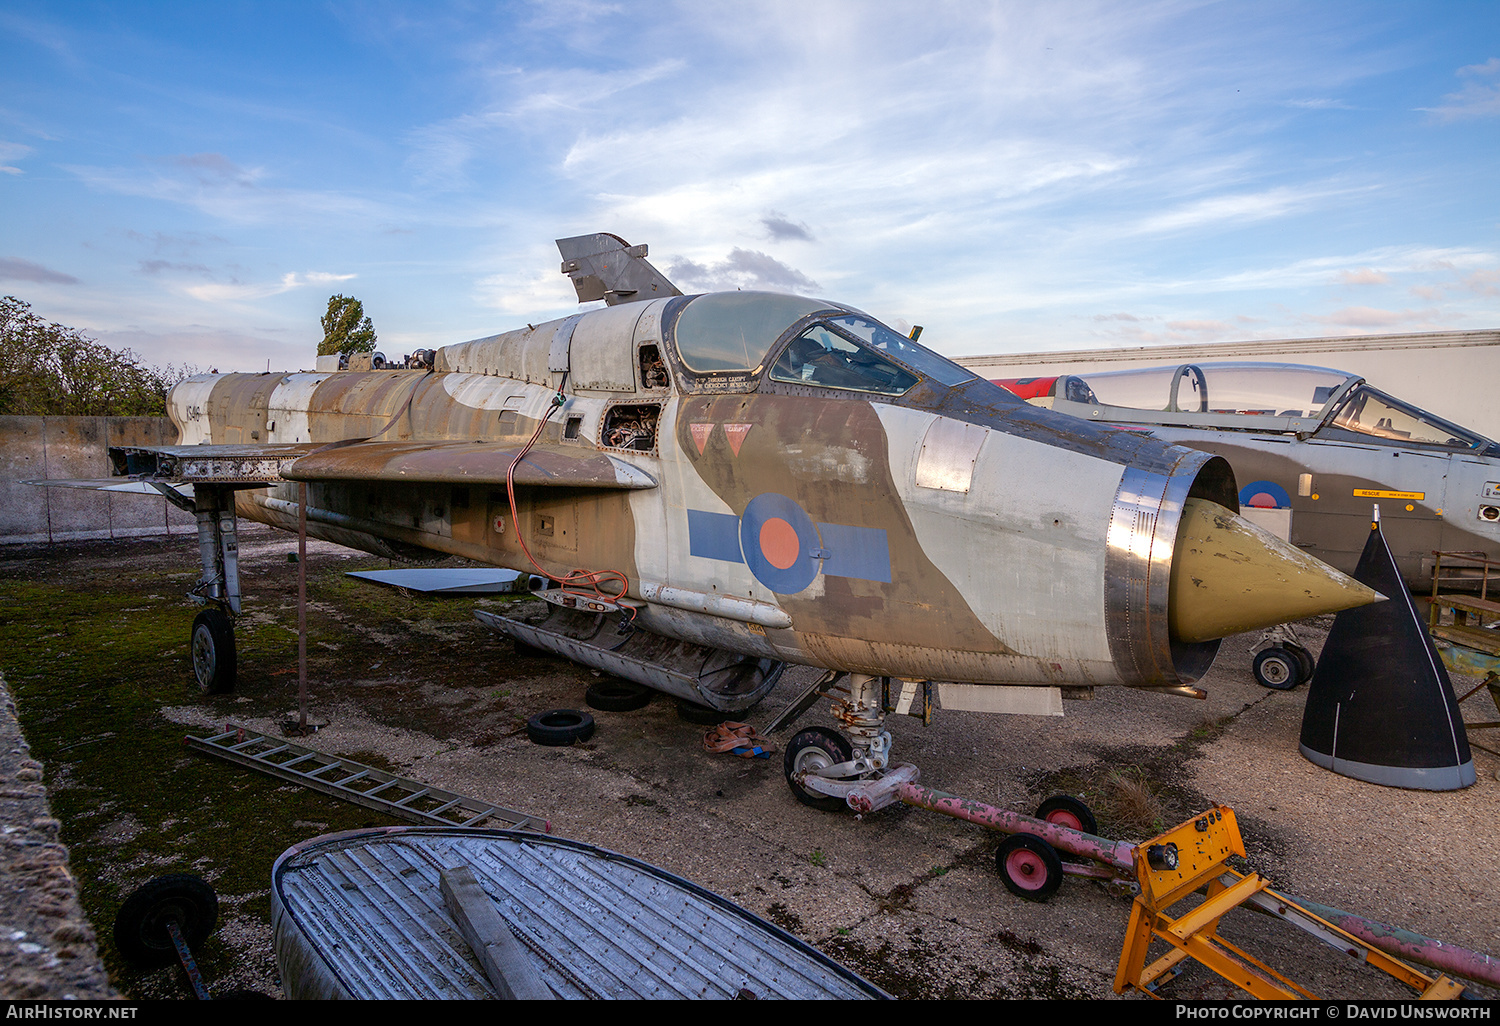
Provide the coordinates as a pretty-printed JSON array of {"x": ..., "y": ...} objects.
[
  {"x": 1455, "y": 374},
  {"x": 74, "y": 448}
]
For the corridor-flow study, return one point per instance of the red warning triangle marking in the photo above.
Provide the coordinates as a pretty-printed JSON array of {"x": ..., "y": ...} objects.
[
  {"x": 736, "y": 433},
  {"x": 701, "y": 431}
]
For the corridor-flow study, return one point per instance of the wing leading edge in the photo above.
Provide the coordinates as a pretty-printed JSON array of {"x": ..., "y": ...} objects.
[{"x": 411, "y": 461}]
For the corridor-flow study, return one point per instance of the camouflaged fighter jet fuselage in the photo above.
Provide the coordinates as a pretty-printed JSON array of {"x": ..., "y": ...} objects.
[{"x": 777, "y": 477}]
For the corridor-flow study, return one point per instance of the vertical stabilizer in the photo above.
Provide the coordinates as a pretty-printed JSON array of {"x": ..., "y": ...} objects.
[{"x": 606, "y": 267}]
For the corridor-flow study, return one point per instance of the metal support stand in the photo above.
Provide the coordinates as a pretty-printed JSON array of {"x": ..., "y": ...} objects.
[{"x": 1194, "y": 856}]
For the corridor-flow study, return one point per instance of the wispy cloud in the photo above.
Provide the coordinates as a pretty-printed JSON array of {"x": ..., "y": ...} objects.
[
  {"x": 243, "y": 292},
  {"x": 215, "y": 185},
  {"x": 1479, "y": 98},
  {"x": 1319, "y": 103},
  {"x": 1368, "y": 318},
  {"x": 1235, "y": 209},
  {"x": 15, "y": 269},
  {"x": 10, "y": 151},
  {"x": 1364, "y": 276}
]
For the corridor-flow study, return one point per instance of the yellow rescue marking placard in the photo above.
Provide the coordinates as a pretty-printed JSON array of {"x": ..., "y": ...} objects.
[{"x": 1372, "y": 493}]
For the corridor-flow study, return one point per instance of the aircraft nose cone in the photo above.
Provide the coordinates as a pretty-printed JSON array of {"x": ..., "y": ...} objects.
[{"x": 1230, "y": 576}]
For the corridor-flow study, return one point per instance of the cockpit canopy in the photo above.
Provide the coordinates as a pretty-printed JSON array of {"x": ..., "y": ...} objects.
[
  {"x": 1266, "y": 397},
  {"x": 735, "y": 333}
]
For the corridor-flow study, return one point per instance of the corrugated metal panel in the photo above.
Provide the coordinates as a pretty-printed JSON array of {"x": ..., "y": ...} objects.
[{"x": 598, "y": 925}]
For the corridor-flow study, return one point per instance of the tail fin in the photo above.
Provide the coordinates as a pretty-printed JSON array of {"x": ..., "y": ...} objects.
[{"x": 606, "y": 267}]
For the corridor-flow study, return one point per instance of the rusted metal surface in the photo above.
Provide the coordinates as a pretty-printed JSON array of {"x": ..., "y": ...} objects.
[
  {"x": 207, "y": 464},
  {"x": 726, "y": 681},
  {"x": 1415, "y": 947},
  {"x": 1118, "y": 854},
  {"x": 468, "y": 463}
]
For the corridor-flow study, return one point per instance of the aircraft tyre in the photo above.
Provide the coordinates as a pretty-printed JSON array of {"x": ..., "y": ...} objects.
[
  {"x": 617, "y": 696},
  {"x": 699, "y": 714},
  {"x": 814, "y": 749},
  {"x": 213, "y": 651},
  {"x": 1030, "y": 867},
  {"x": 1277, "y": 668},
  {"x": 559, "y": 727},
  {"x": 1305, "y": 661},
  {"x": 141, "y": 932}
]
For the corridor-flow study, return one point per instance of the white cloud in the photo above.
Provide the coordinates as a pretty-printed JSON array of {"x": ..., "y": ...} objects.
[
  {"x": 12, "y": 151},
  {"x": 215, "y": 185},
  {"x": 245, "y": 292},
  {"x": 1475, "y": 99}
]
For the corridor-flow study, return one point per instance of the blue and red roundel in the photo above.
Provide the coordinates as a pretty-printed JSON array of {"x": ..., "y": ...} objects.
[
  {"x": 780, "y": 543},
  {"x": 784, "y": 548},
  {"x": 1265, "y": 495}
]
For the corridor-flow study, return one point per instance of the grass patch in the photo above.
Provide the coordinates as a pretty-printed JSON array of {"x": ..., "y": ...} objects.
[{"x": 89, "y": 681}]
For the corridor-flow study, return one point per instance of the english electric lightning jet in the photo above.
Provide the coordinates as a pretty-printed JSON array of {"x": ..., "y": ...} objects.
[
  {"x": 715, "y": 486},
  {"x": 1311, "y": 448}
]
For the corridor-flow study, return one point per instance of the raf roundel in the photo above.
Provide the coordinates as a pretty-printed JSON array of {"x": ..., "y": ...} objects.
[
  {"x": 780, "y": 543},
  {"x": 1265, "y": 495}
]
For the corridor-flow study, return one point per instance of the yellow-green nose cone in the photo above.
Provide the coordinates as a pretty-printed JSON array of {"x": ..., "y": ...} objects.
[{"x": 1230, "y": 576}]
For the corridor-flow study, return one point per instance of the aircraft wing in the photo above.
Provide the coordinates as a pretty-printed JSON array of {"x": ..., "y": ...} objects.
[
  {"x": 440, "y": 462},
  {"x": 468, "y": 463}
]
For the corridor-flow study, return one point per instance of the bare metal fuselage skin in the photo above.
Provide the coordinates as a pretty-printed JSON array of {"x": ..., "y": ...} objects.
[{"x": 951, "y": 532}]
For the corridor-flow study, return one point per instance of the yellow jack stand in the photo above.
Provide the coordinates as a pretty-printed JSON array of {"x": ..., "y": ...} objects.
[{"x": 1195, "y": 856}]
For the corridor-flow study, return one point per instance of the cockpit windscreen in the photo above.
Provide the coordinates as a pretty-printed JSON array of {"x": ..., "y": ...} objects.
[{"x": 1370, "y": 411}]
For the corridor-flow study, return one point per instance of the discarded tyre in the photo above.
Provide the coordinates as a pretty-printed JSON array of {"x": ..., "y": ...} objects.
[
  {"x": 617, "y": 696},
  {"x": 141, "y": 931},
  {"x": 560, "y": 727}
]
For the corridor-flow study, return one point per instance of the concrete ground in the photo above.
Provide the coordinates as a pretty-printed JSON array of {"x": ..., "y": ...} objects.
[{"x": 908, "y": 898}]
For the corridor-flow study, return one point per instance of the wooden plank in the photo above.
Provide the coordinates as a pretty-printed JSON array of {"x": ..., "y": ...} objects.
[
  {"x": 1471, "y": 603},
  {"x": 504, "y": 960},
  {"x": 1477, "y": 638}
]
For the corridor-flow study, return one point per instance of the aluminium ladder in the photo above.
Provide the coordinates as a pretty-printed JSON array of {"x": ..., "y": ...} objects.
[{"x": 363, "y": 785}]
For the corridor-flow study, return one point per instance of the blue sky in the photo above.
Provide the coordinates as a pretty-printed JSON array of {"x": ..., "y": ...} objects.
[{"x": 194, "y": 180}]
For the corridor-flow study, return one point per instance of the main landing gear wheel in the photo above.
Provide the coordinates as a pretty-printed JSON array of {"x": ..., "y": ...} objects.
[
  {"x": 213, "y": 651},
  {"x": 617, "y": 696},
  {"x": 560, "y": 727},
  {"x": 1029, "y": 866},
  {"x": 1278, "y": 669},
  {"x": 1305, "y": 661},
  {"x": 1065, "y": 810},
  {"x": 813, "y": 749},
  {"x": 141, "y": 931}
]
